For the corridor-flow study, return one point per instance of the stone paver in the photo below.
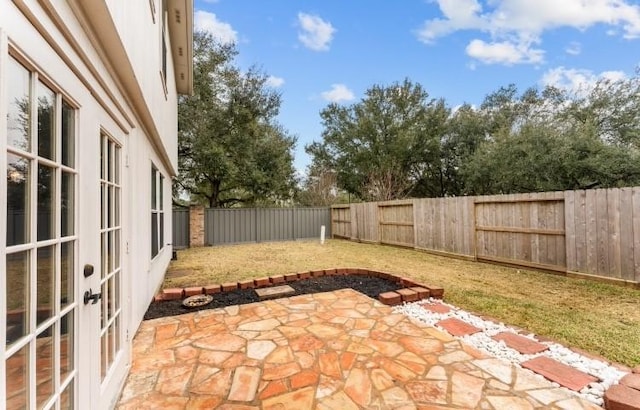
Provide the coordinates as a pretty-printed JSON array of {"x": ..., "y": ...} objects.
[
  {"x": 275, "y": 292},
  {"x": 457, "y": 327},
  {"x": 560, "y": 373},
  {"x": 335, "y": 350},
  {"x": 520, "y": 343},
  {"x": 436, "y": 307}
]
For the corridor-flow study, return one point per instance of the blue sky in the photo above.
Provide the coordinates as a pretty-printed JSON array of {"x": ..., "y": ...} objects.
[{"x": 322, "y": 51}]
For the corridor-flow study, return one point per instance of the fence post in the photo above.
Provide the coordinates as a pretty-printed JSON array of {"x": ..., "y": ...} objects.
[
  {"x": 331, "y": 220},
  {"x": 196, "y": 226}
]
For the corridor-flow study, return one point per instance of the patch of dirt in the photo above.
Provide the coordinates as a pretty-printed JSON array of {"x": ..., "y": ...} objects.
[
  {"x": 368, "y": 285},
  {"x": 179, "y": 273}
]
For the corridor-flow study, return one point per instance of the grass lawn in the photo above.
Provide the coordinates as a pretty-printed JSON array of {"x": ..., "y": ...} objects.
[{"x": 599, "y": 318}]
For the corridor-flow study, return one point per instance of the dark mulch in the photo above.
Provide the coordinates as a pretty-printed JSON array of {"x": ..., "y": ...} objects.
[{"x": 368, "y": 285}]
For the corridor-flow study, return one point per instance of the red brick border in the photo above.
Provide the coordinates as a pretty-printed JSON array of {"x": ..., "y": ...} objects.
[
  {"x": 262, "y": 282},
  {"x": 226, "y": 287},
  {"x": 408, "y": 295},
  {"x": 421, "y": 290},
  {"x": 291, "y": 277},
  {"x": 192, "y": 291},
  {"x": 390, "y": 298},
  {"x": 246, "y": 284}
]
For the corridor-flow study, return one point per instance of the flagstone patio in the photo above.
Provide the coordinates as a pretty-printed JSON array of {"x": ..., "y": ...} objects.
[{"x": 334, "y": 350}]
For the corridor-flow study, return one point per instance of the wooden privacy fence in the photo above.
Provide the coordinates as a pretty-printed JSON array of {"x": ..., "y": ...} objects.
[
  {"x": 579, "y": 233},
  {"x": 528, "y": 229}
]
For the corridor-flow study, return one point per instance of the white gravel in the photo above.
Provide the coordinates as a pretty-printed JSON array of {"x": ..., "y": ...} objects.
[{"x": 608, "y": 375}]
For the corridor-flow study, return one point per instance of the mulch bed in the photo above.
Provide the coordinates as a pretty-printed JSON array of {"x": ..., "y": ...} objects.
[{"x": 368, "y": 285}]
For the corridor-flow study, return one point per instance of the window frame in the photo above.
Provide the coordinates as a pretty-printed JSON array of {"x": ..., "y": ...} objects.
[
  {"x": 152, "y": 7},
  {"x": 157, "y": 211},
  {"x": 164, "y": 49}
]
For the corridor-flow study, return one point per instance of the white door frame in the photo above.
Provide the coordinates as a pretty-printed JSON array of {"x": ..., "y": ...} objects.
[
  {"x": 56, "y": 239},
  {"x": 102, "y": 391}
]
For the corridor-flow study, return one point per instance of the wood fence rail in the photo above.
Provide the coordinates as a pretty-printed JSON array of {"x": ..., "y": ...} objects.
[{"x": 593, "y": 233}]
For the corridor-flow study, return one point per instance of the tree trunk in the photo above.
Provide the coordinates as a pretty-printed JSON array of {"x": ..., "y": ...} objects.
[{"x": 214, "y": 199}]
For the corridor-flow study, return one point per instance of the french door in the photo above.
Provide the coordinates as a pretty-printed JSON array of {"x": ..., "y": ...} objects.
[
  {"x": 103, "y": 352},
  {"x": 111, "y": 347},
  {"x": 38, "y": 279},
  {"x": 62, "y": 319}
]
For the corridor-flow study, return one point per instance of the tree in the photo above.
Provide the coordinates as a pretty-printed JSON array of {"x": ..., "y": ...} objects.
[
  {"x": 231, "y": 150},
  {"x": 385, "y": 146},
  {"x": 466, "y": 130},
  {"x": 555, "y": 140},
  {"x": 612, "y": 107},
  {"x": 319, "y": 188}
]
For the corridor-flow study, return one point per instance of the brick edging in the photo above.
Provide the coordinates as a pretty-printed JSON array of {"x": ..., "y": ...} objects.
[{"x": 179, "y": 293}]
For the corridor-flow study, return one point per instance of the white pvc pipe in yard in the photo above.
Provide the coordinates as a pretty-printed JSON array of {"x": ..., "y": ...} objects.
[{"x": 322, "y": 235}]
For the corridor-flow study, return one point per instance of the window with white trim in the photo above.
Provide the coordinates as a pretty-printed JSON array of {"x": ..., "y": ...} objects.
[{"x": 157, "y": 211}]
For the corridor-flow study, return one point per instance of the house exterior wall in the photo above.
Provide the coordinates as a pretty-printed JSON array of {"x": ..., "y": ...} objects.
[
  {"x": 59, "y": 41},
  {"x": 140, "y": 27}
]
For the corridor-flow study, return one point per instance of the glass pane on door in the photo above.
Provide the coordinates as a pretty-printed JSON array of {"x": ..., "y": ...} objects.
[{"x": 110, "y": 233}]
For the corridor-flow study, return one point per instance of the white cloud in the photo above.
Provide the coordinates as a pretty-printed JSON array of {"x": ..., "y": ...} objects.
[
  {"x": 456, "y": 108},
  {"x": 522, "y": 22},
  {"x": 504, "y": 52},
  {"x": 574, "y": 48},
  {"x": 316, "y": 33},
  {"x": 219, "y": 29},
  {"x": 578, "y": 81},
  {"x": 338, "y": 93},
  {"x": 275, "y": 82}
]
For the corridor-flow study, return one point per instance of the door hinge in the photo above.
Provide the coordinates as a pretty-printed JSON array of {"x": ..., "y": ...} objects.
[
  {"x": 126, "y": 247},
  {"x": 127, "y": 334}
]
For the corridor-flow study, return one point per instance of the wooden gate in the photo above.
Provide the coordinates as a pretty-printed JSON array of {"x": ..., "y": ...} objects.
[
  {"x": 341, "y": 221},
  {"x": 395, "y": 223},
  {"x": 523, "y": 229}
]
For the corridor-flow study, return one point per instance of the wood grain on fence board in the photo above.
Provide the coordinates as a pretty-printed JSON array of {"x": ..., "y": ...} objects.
[
  {"x": 570, "y": 228},
  {"x": 613, "y": 217},
  {"x": 636, "y": 231},
  {"x": 595, "y": 232},
  {"x": 627, "y": 268}
]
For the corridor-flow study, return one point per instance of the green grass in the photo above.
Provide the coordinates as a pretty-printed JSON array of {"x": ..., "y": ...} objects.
[{"x": 600, "y": 318}]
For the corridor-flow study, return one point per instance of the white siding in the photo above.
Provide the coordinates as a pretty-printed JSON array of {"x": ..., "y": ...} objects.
[
  {"x": 56, "y": 42},
  {"x": 141, "y": 39}
]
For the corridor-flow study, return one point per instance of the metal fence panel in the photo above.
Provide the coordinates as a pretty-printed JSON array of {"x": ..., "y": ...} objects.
[
  {"x": 180, "y": 228},
  {"x": 226, "y": 226},
  {"x": 229, "y": 226},
  {"x": 275, "y": 225},
  {"x": 307, "y": 222}
]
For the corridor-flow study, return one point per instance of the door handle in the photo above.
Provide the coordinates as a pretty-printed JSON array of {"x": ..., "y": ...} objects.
[{"x": 90, "y": 296}]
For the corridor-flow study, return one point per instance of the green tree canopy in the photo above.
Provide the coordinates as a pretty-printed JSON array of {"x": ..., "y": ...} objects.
[
  {"x": 397, "y": 142},
  {"x": 383, "y": 146},
  {"x": 555, "y": 140},
  {"x": 231, "y": 150}
]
